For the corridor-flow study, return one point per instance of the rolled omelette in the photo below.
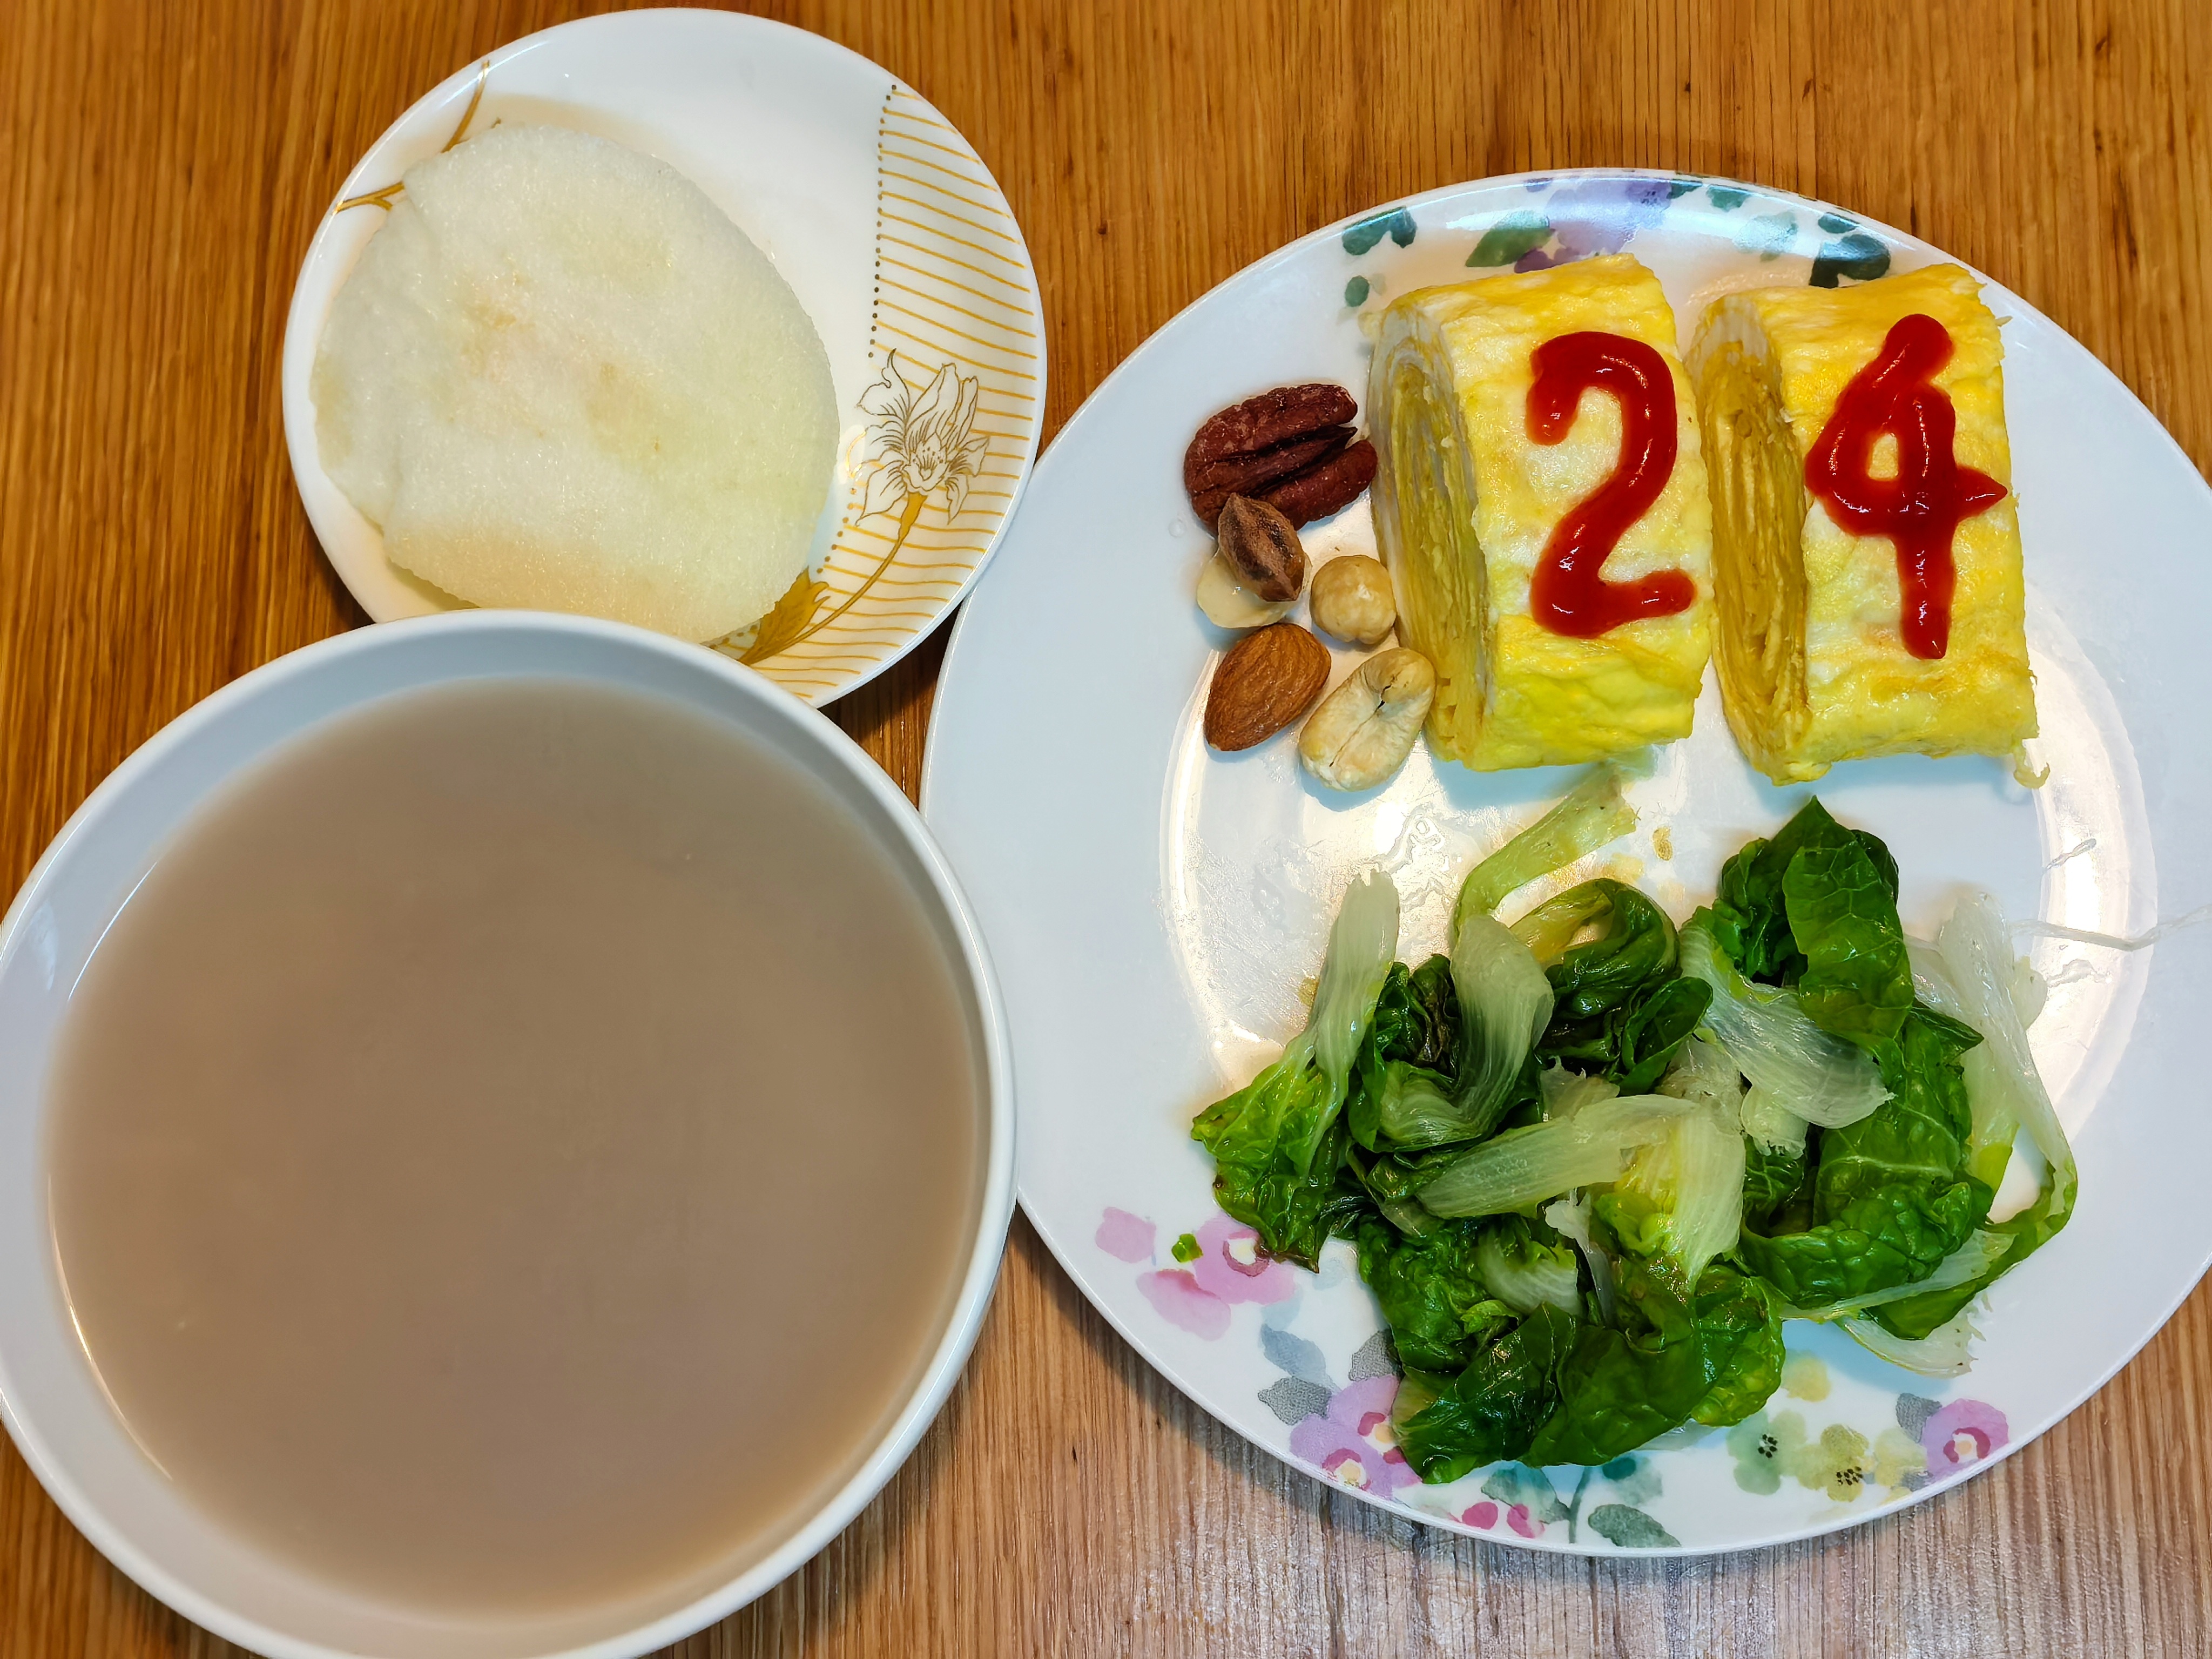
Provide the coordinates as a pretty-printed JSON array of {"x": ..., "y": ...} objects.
[
  {"x": 1867, "y": 550},
  {"x": 1540, "y": 500}
]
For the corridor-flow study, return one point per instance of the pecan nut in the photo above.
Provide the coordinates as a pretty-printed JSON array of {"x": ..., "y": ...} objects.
[
  {"x": 1262, "y": 544},
  {"x": 1267, "y": 447},
  {"x": 1329, "y": 488}
]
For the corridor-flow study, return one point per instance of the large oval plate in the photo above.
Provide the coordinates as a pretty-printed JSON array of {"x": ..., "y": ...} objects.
[
  {"x": 887, "y": 226},
  {"x": 1152, "y": 907}
]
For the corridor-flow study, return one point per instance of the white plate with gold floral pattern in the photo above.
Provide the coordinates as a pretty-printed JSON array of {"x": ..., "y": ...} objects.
[
  {"x": 889, "y": 229},
  {"x": 1152, "y": 907}
]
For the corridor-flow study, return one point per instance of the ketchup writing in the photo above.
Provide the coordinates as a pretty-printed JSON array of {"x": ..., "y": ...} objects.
[
  {"x": 1570, "y": 594},
  {"x": 1921, "y": 508}
]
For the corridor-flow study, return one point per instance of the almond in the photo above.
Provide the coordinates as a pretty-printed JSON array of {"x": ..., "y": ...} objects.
[{"x": 1268, "y": 680}]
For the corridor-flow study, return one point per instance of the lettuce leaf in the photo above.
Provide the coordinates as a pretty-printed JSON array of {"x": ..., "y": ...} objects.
[
  {"x": 1772, "y": 1176},
  {"x": 1256, "y": 1179},
  {"x": 1588, "y": 815},
  {"x": 1495, "y": 1406},
  {"x": 1411, "y": 1042},
  {"x": 1622, "y": 1009},
  {"x": 1976, "y": 982},
  {"x": 1278, "y": 1143},
  {"x": 1750, "y": 917},
  {"x": 1717, "y": 1353},
  {"x": 1856, "y": 982},
  {"x": 1796, "y": 1066},
  {"x": 1891, "y": 1197},
  {"x": 1432, "y": 1293},
  {"x": 1523, "y": 1168},
  {"x": 1680, "y": 1202}
]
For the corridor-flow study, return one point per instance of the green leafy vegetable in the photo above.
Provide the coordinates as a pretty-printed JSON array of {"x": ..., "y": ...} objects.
[
  {"x": 1622, "y": 1008},
  {"x": 1857, "y": 983},
  {"x": 1749, "y": 917},
  {"x": 1947, "y": 1350},
  {"x": 1592, "y": 814},
  {"x": 1773, "y": 1177},
  {"x": 1411, "y": 1042},
  {"x": 1278, "y": 1142},
  {"x": 1680, "y": 1202},
  {"x": 1432, "y": 1291},
  {"x": 1980, "y": 984},
  {"x": 1522, "y": 1168},
  {"x": 1526, "y": 1267},
  {"x": 1891, "y": 1198},
  {"x": 1820, "y": 1077},
  {"x": 1493, "y": 1409},
  {"x": 1620, "y": 1386},
  {"x": 1563, "y": 1092},
  {"x": 1634, "y": 946},
  {"x": 1504, "y": 1003},
  {"x": 1588, "y": 1066}
]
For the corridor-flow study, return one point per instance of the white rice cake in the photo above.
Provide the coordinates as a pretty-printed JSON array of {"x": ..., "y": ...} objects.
[{"x": 560, "y": 378}]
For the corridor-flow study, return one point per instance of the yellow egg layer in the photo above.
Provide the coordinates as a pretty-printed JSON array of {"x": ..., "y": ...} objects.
[
  {"x": 1466, "y": 503},
  {"x": 1812, "y": 666}
]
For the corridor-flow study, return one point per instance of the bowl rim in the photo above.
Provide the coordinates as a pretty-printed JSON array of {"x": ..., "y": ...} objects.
[{"x": 837, "y": 753}]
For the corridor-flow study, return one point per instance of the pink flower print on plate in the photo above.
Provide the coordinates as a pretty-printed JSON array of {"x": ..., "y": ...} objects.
[
  {"x": 1353, "y": 1442},
  {"x": 1482, "y": 1516},
  {"x": 1229, "y": 1265},
  {"x": 1124, "y": 1236},
  {"x": 1177, "y": 1297},
  {"x": 1962, "y": 1433}
]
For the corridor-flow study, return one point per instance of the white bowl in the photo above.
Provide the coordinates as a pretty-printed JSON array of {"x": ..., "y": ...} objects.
[{"x": 52, "y": 1401}]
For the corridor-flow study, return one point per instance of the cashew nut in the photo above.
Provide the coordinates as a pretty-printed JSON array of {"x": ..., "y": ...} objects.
[
  {"x": 1364, "y": 729},
  {"x": 1352, "y": 600}
]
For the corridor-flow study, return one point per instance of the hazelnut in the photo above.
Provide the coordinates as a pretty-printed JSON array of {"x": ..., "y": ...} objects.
[
  {"x": 1352, "y": 599},
  {"x": 1364, "y": 729},
  {"x": 1262, "y": 547}
]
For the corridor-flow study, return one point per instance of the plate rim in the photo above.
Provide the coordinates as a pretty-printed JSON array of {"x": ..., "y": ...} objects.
[
  {"x": 297, "y": 410},
  {"x": 1063, "y": 1251}
]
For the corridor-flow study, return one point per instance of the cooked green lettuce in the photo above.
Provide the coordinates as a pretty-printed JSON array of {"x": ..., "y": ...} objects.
[
  {"x": 1679, "y": 1201},
  {"x": 1278, "y": 1143},
  {"x": 1775, "y": 1042},
  {"x": 1622, "y": 1007},
  {"x": 1591, "y": 1164},
  {"x": 1525, "y": 1167},
  {"x": 1494, "y": 1408},
  {"x": 1588, "y": 815},
  {"x": 1432, "y": 1291}
]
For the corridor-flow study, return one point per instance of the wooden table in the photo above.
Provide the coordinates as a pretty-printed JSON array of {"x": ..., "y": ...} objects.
[{"x": 161, "y": 169}]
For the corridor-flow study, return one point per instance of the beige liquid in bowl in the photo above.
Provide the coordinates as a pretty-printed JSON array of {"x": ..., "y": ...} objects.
[{"x": 516, "y": 1151}]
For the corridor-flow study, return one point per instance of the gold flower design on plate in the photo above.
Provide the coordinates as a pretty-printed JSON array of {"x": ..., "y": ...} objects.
[{"x": 919, "y": 446}]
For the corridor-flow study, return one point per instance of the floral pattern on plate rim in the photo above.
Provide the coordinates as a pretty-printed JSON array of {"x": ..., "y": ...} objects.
[
  {"x": 1571, "y": 219},
  {"x": 1341, "y": 1432}
]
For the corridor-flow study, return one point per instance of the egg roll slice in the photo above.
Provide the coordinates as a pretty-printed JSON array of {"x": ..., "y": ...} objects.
[
  {"x": 1815, "y": 648},
  {"x": 1468, "y": 502}
]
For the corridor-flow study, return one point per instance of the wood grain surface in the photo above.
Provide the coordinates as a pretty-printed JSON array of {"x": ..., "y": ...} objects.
[{"x": 161, "y": 169}]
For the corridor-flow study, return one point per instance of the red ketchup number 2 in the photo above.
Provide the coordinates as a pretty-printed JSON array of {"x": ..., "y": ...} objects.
[
  {"x": 1920, "y": 509},
  {"x": 1570, "y": 594}
]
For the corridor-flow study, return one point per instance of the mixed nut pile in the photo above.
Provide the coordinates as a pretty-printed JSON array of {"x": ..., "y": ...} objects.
[{"x": 1255, "y": 472}]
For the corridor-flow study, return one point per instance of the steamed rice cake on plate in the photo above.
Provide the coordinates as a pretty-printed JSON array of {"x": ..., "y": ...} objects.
[{"x": 560, "y": 378}]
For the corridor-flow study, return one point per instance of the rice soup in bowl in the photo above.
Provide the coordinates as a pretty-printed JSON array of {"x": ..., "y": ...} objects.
[{"x": 98, "y": 1386}]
